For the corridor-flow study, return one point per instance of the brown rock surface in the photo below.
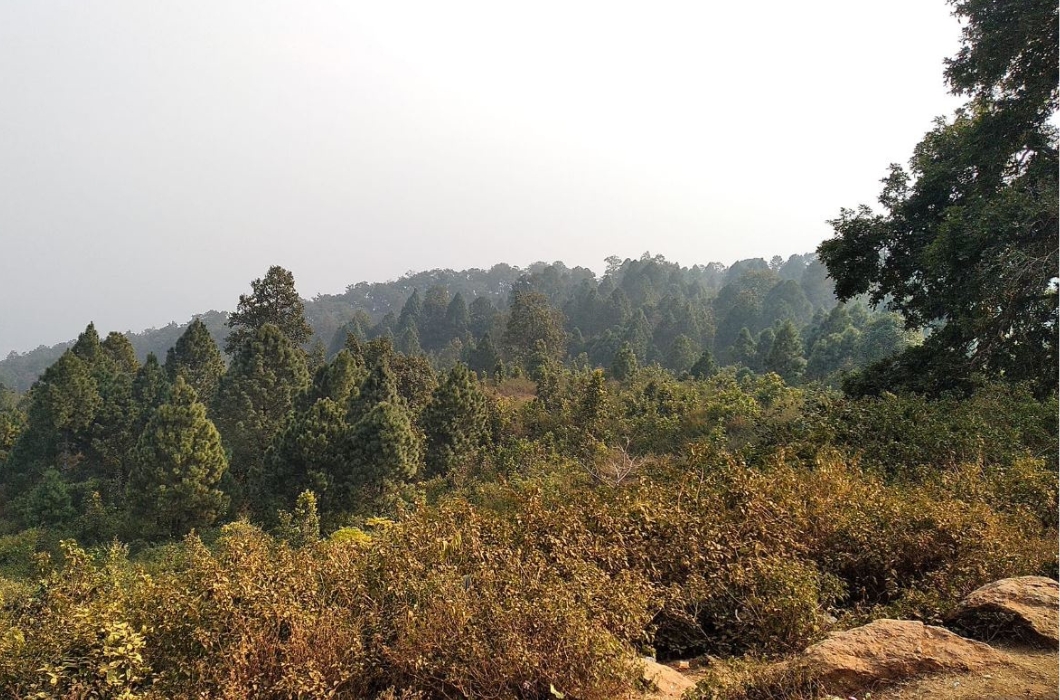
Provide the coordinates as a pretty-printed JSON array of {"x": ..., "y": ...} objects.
[
  {"x": 1023, "y": 608},
  {"x": 891, "y": 650},
  {"x": 670, "y": 682}
]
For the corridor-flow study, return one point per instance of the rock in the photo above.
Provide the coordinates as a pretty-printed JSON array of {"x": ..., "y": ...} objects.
[
  {"x": 670, "y": 682},
  {"x": 892, "y": 650},
  {"x": 1023, "y": 608}
]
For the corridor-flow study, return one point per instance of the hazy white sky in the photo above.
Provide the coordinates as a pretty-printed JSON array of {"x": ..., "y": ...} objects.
[{"x": 157, "y": 156}]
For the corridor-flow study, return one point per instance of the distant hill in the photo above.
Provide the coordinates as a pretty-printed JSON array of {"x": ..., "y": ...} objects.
[{"x": 650, "y": 299}]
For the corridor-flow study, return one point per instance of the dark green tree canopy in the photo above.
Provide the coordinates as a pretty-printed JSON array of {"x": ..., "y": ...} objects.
[
  {"x": 180, "y": 464},
  {"x": 197, "y": 358},
  {"x": 966, "y": 245},
  {"x": 273, "y": 299}
]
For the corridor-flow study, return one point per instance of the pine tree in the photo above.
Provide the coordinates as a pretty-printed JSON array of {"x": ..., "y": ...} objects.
[
  {"x": 744, "y": 350},
  {"x": 457, "y": 319},
  {"x": 63, "y": 407},
  {"x": 682, "y": 354},
  {"x": 385, "y": 450},
  {"x": 484, "y": 358},
  {"x": 254, "y": 400},
  {"x": 310, "y": 453},
  {"x": 378, "y": 387},
  {"x": 533, "y": 321},
  {"x": 455, "y": 421},
  {"x": 785, "y": 356},
  {"x": 150, "y": 390},
  {"x": 273, "y": 300},
  {"x": 180, "y": 462},
  {"x": 624, "y": 364},
  {"x": 120, "y": 353},
  {"x": 705, "y": 367},
  {"x": 195, "y": 356}
]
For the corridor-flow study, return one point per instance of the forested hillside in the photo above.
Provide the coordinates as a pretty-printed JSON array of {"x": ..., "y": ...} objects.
[
  {"x": 518, "y": 483},
  {"x": 669, "y": 314}
]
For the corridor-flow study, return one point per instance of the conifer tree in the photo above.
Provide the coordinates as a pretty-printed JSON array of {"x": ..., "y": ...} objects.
[
  {"x": 410, "y": 312},
  {"x": 378, "y": 387},
  {"x": 533, "y": 321},
  {"x": 682, "y": 354},
  {"x": 454, "y": 421},
  {"x": 705, "y": 367},
  {"x": 254, "y": 399},
  {"x": 119, "y": 352},
  {"x": 624, "y": 364},
  {"x": 196, "y": 357},
  {"x": 457, "y": 319},
  {"x": 744, "y": 350},
  {"x": 63, "y": 407},
  {"x": 273, "y": 300},
  {"x": 385, "y": 450},
  {"x": 785, "y": 356},
  {"x": 484, "y": 358},
  {"x": 310, "y": 453},
  {"x": 150, "y": 389},
  {"x": 180, "y": 462}
]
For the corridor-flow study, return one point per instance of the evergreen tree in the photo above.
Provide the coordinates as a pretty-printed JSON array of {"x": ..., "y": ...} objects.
[
  {"x": 455, "y": 421},
  {"x": 785, "y": 356},
  {"x": 254, "y": 399},
  {"x": 87, "y": 347},
  {"x": 385, "y": 452},
  {"x": 532, "y": 320},
  {"x": 150, "y": 390},
  {"x": 310, "y": 453},
  {"x": 484, "y": 358},
  {"x": 180, "y": 462},
  {"x": 967, "y": 242},
  {"x": 682, "y": 354},
  {"x": 119, "y": 353},
  {"x": 63, "y": 407},
  {"x": 705, "y": 367},
  {"x": 743, "y": 351},
  {"x": 49, "y": 503},
  {"x": 482, "y": 313},
  {"x": 196, "y": 357},
  {"x": 273, "y": 301},
  {"x": 378, "y": 387},
  {"x": 457, "y": 319},
  {"x": 410, "y": 313},
  {"x": 624, "y": 364},
  {"x": 302, "y": 527}
]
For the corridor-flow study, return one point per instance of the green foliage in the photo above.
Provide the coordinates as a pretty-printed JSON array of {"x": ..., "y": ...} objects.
[
  {"x": 302, "y": 527},
  {"x": 785, "y": 354},
  {"x": 196, "y": 358},
  {"x": 533, "y": 322},
  {"x": 967, "y": 242},
  {"x": 180, "y": 463},
  {"x": 624, "y": 365},
  {"x": 273, "y": 301},
  {"x": 455, "y": 422},
  {"x": 254, "y": 399}
]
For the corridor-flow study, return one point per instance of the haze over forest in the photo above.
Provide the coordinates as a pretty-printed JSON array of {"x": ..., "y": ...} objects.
[
  {"x": 158, "y": 157},
  {"x": 799, "y": 475}
]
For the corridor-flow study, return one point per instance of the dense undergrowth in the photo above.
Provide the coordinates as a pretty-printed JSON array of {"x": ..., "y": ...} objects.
[{"x": 757, "y": 521}]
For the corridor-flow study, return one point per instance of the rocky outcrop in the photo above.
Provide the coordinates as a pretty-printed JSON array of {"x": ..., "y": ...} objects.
[
  {"x": 1022, "y": 608},
  {"x": 891, "y": 650},
  {"x": 671, "y": 684}
]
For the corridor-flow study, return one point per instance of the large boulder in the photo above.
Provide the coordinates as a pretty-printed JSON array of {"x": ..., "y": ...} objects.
[
  {"x": 892, "y": 650},
  {"x": 1022, "y": 608}
]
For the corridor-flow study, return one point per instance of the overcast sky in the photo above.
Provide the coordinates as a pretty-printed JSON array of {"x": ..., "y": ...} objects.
[{"x": 157, "y": 156}]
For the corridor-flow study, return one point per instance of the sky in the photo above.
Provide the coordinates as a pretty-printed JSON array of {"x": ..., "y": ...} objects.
[{"x": 157, "y": 156}]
